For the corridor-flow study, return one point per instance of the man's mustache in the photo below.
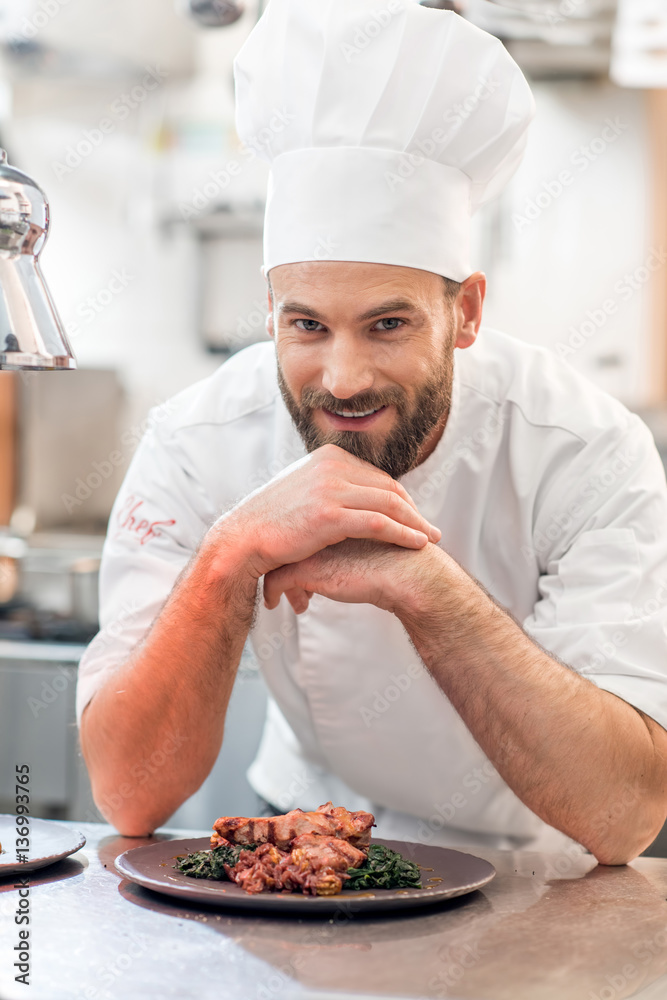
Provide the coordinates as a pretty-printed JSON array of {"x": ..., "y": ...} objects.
[{"x": 315, "y": 399}]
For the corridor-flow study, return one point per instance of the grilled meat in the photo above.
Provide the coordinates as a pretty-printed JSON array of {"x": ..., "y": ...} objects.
[
  {"x": 307, "y": 851},
  {"x": 333, "y": 852},
  {"x": 316, "y": 865},
  {"x": 218, "y": 841},
  {"x": 328, "y": 821}
]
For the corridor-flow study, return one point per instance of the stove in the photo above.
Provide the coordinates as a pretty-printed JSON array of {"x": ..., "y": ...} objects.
[{"x": 20, "y": 622}]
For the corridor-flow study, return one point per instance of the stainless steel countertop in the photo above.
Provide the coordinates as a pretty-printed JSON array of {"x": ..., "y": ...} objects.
[{"x": 549, "y": 927}]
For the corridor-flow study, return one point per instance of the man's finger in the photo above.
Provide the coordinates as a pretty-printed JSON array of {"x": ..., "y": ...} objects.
[
  {"x": 364, "y": 473},
  {"x": 380, "y": 528},
  {"x": 393, "y": 506},
  {"x": 360, "y": 473},
  {"x": 299, "y": 599},
  {"x": 280, "y": 581}
]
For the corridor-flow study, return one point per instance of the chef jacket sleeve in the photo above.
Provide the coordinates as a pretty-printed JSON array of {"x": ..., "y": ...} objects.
[
  {"x": 157, "y": 522},
  {"x": 600, "y": 541}
]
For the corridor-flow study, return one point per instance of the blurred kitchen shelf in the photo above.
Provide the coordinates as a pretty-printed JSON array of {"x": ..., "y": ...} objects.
[
  {"x": 103, "y": 38},
  {"x": 560, "y": 42},
  {"x": 88, "y": 544}
]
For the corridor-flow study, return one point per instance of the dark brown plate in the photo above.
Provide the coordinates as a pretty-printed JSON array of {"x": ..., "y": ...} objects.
[
  {"x": 445, "y": 874},
  {"x": 49, "y": 842}
]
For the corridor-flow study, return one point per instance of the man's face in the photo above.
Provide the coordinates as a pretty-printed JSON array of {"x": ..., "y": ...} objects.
[{"x": 365, "y": 357}]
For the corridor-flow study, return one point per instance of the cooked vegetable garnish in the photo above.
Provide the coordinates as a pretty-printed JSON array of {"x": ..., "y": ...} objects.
[
  {"x": 211, "y": 864},
  {"x": 384, "y": 869}
]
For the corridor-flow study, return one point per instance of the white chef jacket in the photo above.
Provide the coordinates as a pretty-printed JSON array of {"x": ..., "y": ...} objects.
[{"x": 546, "y": 490}]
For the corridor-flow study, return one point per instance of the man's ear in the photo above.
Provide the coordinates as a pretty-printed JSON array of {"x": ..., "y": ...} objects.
[{"x": 468, "y": 309}]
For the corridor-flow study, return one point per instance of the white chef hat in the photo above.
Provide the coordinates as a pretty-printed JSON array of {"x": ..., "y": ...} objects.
[{"x": 386, "y": 125}]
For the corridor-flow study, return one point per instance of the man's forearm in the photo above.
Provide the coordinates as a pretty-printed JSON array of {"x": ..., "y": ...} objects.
[
  {"x": 151, "y": 735},
  {"x": 578, "y": 756}
]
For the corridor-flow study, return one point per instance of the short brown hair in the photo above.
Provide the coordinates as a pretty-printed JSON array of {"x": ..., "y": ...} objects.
[{"x": 451, "y": 288}]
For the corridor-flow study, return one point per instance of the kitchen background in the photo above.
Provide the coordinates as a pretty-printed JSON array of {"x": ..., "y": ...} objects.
[{"x": 123, "y": 111}]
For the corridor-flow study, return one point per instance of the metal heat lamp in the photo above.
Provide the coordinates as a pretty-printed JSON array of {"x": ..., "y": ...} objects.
[{"x": 32, "y": 336}]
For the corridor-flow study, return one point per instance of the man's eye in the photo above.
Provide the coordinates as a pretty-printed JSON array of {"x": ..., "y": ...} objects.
[
  {"x": 392, "y": 321},
  {"x": 309, "y": 324}
]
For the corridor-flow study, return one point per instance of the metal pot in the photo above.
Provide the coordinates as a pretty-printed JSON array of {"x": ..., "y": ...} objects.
[{"x": 84, "y": 591}]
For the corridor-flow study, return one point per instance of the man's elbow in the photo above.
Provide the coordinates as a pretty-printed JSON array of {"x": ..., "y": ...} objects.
[
  {"x": 128, "y": 804},
  {"x": 626, "y": 842},
  {"x": 132, "y": 817},
  {"x": 616, "y": 854}
]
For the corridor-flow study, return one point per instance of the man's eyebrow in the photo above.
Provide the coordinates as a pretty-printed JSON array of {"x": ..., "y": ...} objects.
[
  {"x": 297, "y": 307},
  {"x": 392, "y": 305}
]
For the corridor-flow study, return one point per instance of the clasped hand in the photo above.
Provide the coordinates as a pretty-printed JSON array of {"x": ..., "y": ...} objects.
[{"x": 330, "y": 524}]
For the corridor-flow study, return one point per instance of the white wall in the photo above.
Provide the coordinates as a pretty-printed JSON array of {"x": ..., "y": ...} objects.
[{"x": 556, "y": 253}]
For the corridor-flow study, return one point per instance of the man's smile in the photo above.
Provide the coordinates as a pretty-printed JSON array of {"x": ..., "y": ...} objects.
[{"x": 346, "y": 420}]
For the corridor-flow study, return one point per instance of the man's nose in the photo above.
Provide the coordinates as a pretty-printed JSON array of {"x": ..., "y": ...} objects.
[{"x": 347, "y": 371}]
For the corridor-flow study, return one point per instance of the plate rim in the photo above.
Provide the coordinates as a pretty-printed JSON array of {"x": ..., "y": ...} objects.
[
  {"x": 297, "y": 902},
  {"x": 16, "y": 867}
]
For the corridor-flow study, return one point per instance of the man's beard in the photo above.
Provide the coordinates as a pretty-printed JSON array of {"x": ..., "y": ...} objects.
[{"x": 398, "y": 453}]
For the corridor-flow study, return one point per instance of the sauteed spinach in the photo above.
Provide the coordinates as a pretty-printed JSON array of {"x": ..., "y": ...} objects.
[
  {"x": 384, "y": 869},
  {"x": 211, "y": 864}
]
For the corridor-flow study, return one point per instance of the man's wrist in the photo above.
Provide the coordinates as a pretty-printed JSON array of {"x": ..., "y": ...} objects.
[
  {"x": 416, "y": 589},
  {"x": 227, "y": 556}
]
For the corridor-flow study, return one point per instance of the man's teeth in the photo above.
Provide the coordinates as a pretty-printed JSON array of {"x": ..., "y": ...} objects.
[{"x": 349, "y": 413}]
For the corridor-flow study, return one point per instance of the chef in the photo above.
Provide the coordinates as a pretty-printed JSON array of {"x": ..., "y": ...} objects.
[{"x": 448, "y": 549}]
